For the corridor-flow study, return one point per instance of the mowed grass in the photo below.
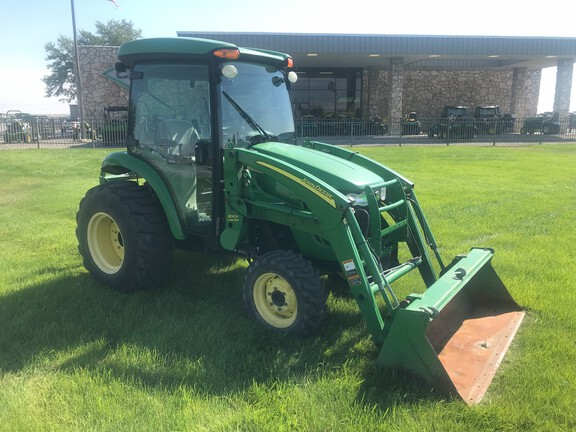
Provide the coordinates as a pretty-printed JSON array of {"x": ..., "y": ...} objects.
[{"x": 76, "y": 356}]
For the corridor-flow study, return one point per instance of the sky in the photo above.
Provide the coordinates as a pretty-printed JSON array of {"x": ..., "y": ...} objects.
[{"x": 27, "y": 25}]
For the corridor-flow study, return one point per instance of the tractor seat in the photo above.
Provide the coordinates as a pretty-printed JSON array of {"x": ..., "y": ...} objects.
[{"x": 182, "y": 133}]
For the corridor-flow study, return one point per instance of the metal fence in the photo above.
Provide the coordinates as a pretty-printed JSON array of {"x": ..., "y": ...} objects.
[
  {"x": 438, "y": 131},
  {"x": 58, "y": 132}
]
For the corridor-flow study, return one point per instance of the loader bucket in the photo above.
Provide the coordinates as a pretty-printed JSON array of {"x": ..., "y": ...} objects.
[{"x": 457, "y": 332}]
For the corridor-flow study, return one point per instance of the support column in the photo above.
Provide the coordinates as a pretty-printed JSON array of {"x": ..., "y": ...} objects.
[
  {"x": 373, "y": 94},
  {"x": 518, "y": 101},
  {"x": 564, "y": 71},
  {"x": 395, "y": 98}
]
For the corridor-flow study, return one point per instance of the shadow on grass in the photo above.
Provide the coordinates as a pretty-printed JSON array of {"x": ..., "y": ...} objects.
[{"x": 193, "y": 332}]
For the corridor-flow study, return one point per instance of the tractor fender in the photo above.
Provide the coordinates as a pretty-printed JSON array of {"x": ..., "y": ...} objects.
[{"x": 116, "y": 166}]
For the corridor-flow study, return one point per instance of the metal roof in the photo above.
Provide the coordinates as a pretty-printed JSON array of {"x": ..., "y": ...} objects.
[{"x": 418, "y": 52}]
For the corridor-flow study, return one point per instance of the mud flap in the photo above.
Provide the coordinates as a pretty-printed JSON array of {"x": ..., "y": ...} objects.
[{"x": 457, "y": 332}]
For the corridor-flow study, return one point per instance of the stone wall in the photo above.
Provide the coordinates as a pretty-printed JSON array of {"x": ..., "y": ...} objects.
[
  {"x": 426, "y": 92},
  {"x": 98, "y": 92}
]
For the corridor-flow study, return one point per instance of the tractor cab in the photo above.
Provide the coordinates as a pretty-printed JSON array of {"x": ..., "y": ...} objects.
[{"x": 185, "y": 112}]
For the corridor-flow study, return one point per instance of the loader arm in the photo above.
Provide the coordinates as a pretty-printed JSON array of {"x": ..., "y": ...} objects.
[
  {"x": 328, "y": 213},
  {"x": 417, "y": 220}
]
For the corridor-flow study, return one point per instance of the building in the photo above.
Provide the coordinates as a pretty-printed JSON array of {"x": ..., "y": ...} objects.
[{"x": 387, "y": 76}]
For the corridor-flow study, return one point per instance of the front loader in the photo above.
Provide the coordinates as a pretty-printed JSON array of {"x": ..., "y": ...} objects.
[{"x": 212, "y": 161}]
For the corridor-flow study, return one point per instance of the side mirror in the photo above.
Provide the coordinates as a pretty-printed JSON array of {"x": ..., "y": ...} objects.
[{"x": 121, "y": 70}]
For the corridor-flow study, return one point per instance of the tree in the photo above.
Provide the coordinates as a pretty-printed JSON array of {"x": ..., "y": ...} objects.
[
  {"x": 60, "y": 55},
  {"x": 114, "y": 33},
  {"x": 62, "y": 80}
]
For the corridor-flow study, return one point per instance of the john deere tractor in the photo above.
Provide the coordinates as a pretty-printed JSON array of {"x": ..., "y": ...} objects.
[{"x": 212, "y": 159}]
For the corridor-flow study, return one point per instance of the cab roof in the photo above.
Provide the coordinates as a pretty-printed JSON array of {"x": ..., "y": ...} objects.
[{"x": 183, "y": 48}]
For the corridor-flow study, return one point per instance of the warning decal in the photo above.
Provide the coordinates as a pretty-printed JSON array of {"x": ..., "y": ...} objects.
[
  {"x": 349, "y": 267},
  {"x": 351, "y": 272}
]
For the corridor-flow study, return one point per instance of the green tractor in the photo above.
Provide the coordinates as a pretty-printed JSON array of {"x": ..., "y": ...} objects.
[
  {"x": 410, "y": 124},
  {"x": 17, "y": 128},
  {"x": 212, "y": 159}
]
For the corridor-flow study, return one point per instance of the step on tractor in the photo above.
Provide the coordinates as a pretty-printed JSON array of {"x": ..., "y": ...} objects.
[{"x": 212, "y": 159}]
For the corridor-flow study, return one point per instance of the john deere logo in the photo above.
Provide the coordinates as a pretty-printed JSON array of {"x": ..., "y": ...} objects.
[{"x": 318, "y": 189}]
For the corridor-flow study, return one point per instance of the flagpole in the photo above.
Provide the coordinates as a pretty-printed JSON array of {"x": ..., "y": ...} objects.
[{"x": 77, "y": 65}]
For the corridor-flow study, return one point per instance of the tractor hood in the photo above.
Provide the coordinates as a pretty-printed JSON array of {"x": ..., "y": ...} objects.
[{"x": 341, "y": 174}]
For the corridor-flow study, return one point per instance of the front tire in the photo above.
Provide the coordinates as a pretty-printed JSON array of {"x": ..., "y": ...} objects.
[
  {"x": 123, "y": 236},
  {"x": 283, "y": 291}
]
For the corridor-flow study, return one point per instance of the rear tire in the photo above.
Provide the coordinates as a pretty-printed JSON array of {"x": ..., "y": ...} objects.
[
  {"x": 123, "y": 236},
  {"x": 284, "y": 292}
]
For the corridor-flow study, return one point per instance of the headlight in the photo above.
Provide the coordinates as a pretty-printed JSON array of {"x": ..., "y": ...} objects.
[
  {"x": 361, "y": 200},
  {"x": 381, "y": 194},
  {"x": 358, "y": 199}
]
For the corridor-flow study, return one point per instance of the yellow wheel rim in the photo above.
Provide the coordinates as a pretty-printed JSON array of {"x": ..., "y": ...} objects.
[
  {"x": 275, "y": 300},
  {"x": 105, "y": 243}
]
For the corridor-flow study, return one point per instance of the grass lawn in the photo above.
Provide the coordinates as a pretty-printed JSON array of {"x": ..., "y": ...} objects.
[{"x": 76, "y": 356}]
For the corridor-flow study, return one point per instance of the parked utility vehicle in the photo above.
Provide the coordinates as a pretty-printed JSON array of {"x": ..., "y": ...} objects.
[
  {"x": 410, "y": 124},
  {"x": 212, "y": 158},
  {"x": 454, "y": 123},
  {"x": 546, "y": 123},
  {"x": 490, "y": 120}
]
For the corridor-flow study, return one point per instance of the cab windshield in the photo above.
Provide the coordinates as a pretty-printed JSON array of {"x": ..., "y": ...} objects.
[{"x": 255, "y": 105}]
